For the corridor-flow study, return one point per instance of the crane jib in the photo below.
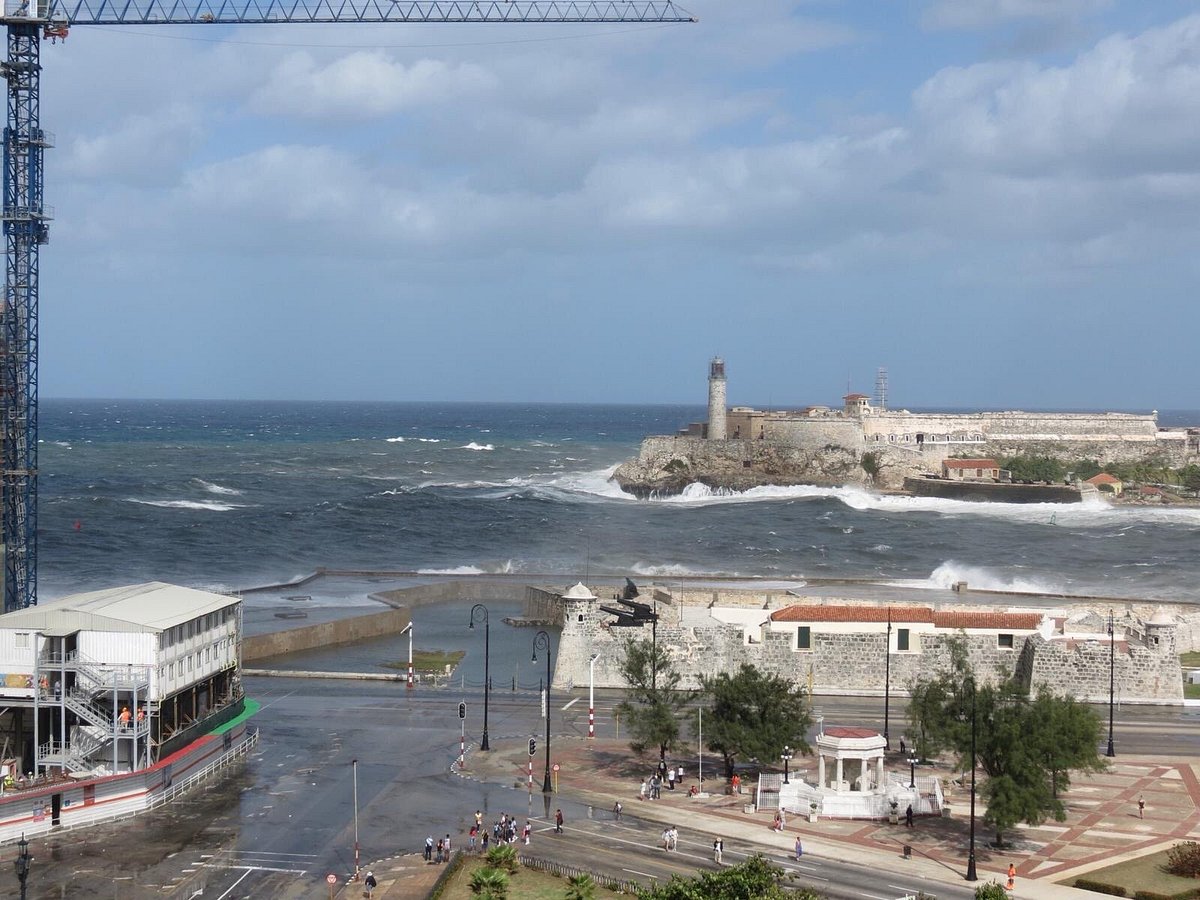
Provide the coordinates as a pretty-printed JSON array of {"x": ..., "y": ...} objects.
[{"x": 249, "y": 12}]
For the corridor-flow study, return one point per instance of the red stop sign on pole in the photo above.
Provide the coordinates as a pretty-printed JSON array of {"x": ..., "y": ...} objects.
[{"x": 331, "y": 878}]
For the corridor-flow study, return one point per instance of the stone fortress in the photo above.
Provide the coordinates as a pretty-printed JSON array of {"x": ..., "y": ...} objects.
[
  {"x": 831, "y": 639},
  {"x": 742, "y": 447}
]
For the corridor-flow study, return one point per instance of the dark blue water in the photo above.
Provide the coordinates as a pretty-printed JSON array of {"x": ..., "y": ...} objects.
[{"x": 228, "y": 494}]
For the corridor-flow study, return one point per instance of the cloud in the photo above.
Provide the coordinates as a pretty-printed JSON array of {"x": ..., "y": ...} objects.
[
  {"x": 146, "y": 149},
  {"x": 364, "y": 85},
  {"x": 950, "y": 14}
]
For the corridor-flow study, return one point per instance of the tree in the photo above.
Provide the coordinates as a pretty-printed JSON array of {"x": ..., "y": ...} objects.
[
  {"x": 652, "y": 698},
  {"x": 1184, "y": 860},
  {"x": 755, "y": 879},
  {"x": 580, "y": 887},
  {"x": 1017, "y": 743},
  {"x": 1034, "y": 468},
  {"x": 753, "y": 715},
  {"x": 489, "y": 883},
  {"x": 873, "y": 464}
]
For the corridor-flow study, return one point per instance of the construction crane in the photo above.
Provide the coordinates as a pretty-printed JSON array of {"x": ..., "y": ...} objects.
[{"x": 26, "y": 218}]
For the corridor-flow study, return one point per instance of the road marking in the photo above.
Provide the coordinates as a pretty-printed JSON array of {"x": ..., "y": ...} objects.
[
  {"x": 860, "y": 893},
  {"x": 643, "y": 874},
  {"x": 572, "y": 703},
  {"x": 235, "y": 884}
]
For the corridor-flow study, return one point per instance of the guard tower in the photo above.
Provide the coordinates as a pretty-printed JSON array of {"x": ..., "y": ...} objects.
[{"x": 716, "y": 400}]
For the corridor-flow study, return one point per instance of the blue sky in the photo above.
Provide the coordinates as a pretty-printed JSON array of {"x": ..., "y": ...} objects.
[{"x": 998, "y": 200}]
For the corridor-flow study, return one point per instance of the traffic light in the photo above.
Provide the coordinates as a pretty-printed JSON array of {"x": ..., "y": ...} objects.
[
  {"x": 532, "y": 746},
  {"x": 462, "y": 710}
]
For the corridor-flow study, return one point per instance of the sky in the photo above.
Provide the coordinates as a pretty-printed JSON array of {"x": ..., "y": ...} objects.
[{"x": 996, "y": 200}]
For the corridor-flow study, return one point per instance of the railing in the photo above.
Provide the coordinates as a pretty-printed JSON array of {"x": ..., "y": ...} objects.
[
  {"x": 207, "y": 772},
  {"x": 62, "y": 754},
  {"x": 564, "y": 871}
]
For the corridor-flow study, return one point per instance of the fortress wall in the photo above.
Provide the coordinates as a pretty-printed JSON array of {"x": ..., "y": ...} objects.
[
  {"x": 1054, "y": 426},
  {"x": 813, "y": 434},
  {"x": 1141, "y": 674}
]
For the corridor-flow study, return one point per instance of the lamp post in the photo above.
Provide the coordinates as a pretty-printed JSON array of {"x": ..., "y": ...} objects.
[
  {"x": 487, "y": 679},
  {"x": 971, "y": 874},
  {"x": 592, "y": 695},
  {"x": 409, "y": 630},
  {"x": 354, "y": 769},
  {"x": 1112, "y": 679},
  {"x": 786, "y": 756},
  {"x": 912, "y": 771},
  {"x": 22, "y": 863},
  {"x": 541, "y": 641},
  {"x": 887, "y": 680}
]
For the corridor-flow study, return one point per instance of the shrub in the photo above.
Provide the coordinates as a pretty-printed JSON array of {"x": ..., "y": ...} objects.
[
  {"x": 490, "y": 884},
  {"x": 1184, "y": 859},
  {"x": 1155, "y": 895},
  {"x": 993, "y": 890},
  {"x": 503, "y": 857},
  {"x": 581, "y": 887},
  {"x": 1086, "y": 884}
]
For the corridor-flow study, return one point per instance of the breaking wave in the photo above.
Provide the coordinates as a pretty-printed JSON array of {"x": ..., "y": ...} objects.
[
  {"x": 218, "y": 489},
  {"x": 949, "y": 573},
  {"x": 475, "y": 446},
  {"x": 186, "y": 504}
]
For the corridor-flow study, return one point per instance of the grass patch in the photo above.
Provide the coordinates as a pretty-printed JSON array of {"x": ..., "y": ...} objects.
[
  {"x": 1191, "y": 659},
  {"x": 428, "y": 661},
  {"x": 528, "y": 884},
  {"x": 1191, "y": 691},
  {"x": 1146, "y": 873}
]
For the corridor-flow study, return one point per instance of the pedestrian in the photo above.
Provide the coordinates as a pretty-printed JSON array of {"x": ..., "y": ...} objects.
[
  {"x": 901, "y": 745},
  {"x": 665, "y": 837},
  {"x": 1012, "y": 877},
  {"x": 370, "y": 883},
  {"x": 471, "y": 837},
  {"x": 558, "y": 820},
  {"x": 528, "y": 830},
  {"x": 439, "y": 851},
  {"x": 655, "y": 787},
  {"x": 736, "y": 782},
  {"x": 674, "y": 838},
  {"x": 908, "y": 816},
  {"x": 777, "y": 825},
  {"x": 429, "y": 849},
  {"x": 617, "y": 810},
  {"x": 446, "y": 848},
  {"x": 1141, "y": 807},
  {"x": 483, "y": 843},
  {"x": 671, "y": 779},
  {"x": 782, "y": 819},
  {"x": 719, "y": 848},
  {"x": 643, "y": 790},
  {"x": 679, "y": 775},
  {"x": 799, "y": 848}
]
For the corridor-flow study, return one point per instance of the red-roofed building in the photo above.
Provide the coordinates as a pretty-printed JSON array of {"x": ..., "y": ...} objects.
[
  {"x": 971, "y": 469},
  {"x": 856, "y": 405},
  {"x": 1107, "y": 483}
]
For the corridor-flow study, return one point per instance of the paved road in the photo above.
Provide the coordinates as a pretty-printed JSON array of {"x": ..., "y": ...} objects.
[{"x": 631, "y": 850}]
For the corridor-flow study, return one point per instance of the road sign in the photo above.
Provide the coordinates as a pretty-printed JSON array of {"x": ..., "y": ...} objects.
[
  {"x": 554, "y": 768},
  {"x": 331, "y": 878}
]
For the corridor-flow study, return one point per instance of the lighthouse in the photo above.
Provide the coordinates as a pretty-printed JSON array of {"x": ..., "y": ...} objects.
[{"x": 716, "y": 399}]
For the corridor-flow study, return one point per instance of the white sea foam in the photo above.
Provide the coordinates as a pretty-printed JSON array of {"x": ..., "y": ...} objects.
[
  {"x": 186, "y": 504},
  {"x": 672, "y": 570},
  {"x": 395, "y": 440},
  {"x": 475, "y": 446},
  {"x": 218, "y": 489},
  {"x": 949, "y": 573},
  {"x": 453, "y": 570},
  {"x": 430, "y": 440}
]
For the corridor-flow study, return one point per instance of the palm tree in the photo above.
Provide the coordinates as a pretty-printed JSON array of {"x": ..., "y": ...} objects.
[
  {"x": 503, "y": 857},
  {"x": 489, "y": 883},
  {"x": 581, "y": 887}
]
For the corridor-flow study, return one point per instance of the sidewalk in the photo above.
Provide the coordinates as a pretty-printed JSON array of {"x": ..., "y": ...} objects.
[{"x": 1102, "y": 823}]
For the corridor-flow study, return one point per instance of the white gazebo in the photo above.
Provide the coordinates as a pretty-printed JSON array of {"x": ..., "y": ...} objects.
[{"x": 861, "y": 745}]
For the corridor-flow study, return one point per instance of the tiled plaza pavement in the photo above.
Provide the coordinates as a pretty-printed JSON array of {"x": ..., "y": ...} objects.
[{"x": 1102, "y": 824}]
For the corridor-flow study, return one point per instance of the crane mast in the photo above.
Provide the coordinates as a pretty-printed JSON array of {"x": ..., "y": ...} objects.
[{"x": 26, "y": 218}]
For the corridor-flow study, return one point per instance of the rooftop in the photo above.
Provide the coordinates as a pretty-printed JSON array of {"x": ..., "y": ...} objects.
[{"x": 153, "y": 606}]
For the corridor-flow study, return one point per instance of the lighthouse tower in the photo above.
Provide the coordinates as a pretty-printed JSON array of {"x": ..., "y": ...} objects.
[{"x": 716, "y": 399}]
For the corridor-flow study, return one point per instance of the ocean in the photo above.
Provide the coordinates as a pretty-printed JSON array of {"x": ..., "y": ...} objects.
[{"x": 226, "y": 495}]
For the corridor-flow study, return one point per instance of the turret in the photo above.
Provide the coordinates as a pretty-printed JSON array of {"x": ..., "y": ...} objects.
[
  {"x": 581, "y": 624},
  {"x": 716, "y": 399}
]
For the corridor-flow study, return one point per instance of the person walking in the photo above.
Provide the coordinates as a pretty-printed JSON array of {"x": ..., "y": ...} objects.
[
  {"x": 483, "y": 843},
  {"x": 429, "y": 848},
  {"x": 799, "y": 848},
  {"x": 446, "y": 848},
  {"x": 643, "y": 790},
  {"x": 1012, "y": 877},
  {"x": 908, "y": 817},
  {"x": 1141, "y": 807},
  {"x": 471, "y": 837},
  {"x": 558, "y": 821},
  {"x": 438, "y": 858},
  {"x": 679, "y": 775},
  {"x": 370, "y": 884},
  {"x": 671, "y": 779},
  {"x": 719, "y": 848},
  {"x": 617, "y": 807},
  {"x": 736, "y": 782},
  {"x": 527, "y": 831}
]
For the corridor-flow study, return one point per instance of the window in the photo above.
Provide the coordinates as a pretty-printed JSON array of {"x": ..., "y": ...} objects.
[
  {"x": 22, "y": 640},
  {"x": 191, "y": 662},
  {"x": 804, "y": 637},
  {"x": 207, "y": 654},
  {"x": 901, "y": 640},
  {"x": 171, "y": 670},
  {"x": 191, "y": 628},
  {"x": 1005, "y": 641}
]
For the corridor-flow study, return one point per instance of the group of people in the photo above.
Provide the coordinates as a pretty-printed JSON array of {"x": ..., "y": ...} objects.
[
  {"x": 651, "y": 788},
  {"x": 670, "y": 838},
  {"x": 442, "y": 849},
  {"x": 504, "y": 830}
]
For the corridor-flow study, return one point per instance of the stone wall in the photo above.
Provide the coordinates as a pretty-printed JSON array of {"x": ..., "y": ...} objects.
[
  {"x": 854, "y": 663},
  {"x": 325, "y": 634}
]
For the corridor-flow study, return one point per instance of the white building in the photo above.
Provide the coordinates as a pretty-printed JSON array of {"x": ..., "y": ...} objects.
[{"x": 109, "y": 681}]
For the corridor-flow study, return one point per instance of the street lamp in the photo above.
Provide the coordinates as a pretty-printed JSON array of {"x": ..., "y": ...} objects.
[
  {"x": 1112, "y": 680},
  {"x": 887, "y": 680},
  {"x": 22, "y": 863},
  {"x": 541, "y": 641},
  {"x": 354, "y": 768},
  {"x": 592, "y": 695},
  {"x": 786, "y": 756},
  {"x": 475, "y": 610},
  {"x": 971, "y": 874},
  {"x": 409, "y": 630},
  {"x": 912, "y": 770}
]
